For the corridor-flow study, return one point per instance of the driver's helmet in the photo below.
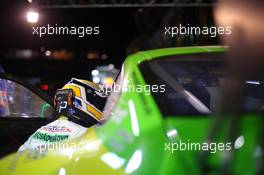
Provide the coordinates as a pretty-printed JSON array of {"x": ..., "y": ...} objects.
[{"x": 81, "y": 101}]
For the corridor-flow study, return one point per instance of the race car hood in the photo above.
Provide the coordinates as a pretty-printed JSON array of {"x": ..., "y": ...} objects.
[{"x": 86, "y": 154}]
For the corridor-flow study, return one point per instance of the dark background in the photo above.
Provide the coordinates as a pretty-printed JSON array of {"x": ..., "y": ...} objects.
[{"x": 123, "y": 31}]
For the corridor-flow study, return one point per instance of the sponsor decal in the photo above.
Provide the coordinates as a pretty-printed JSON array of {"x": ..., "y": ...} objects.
[
  {"x": 50, "y": 138},
  {"x": 56, "y": 129}
]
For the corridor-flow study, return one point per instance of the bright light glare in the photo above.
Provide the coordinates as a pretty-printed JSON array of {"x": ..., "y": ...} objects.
[
  {"x": 239, "y": 142},
  {"x": 133, "y": 117},
  {"x": 32, "y": 17},
  {"x": 113, "y": 160},
  {"x": 93, "y": 146},
  {"x": 172, "y": 133},
  {"x": 253, "y": 82},
  {"x": 62, "y": 171},
  {"x": 134, "y": 162}
]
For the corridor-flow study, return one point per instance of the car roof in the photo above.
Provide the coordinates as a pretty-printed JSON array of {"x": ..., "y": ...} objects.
[{"x": 137, "y": 58}]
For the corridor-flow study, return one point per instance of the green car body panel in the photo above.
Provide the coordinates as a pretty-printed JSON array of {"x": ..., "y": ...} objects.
[{"x": 134, "y": 139}]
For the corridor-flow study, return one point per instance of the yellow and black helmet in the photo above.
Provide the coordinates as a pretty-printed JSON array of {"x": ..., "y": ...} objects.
[{"x": 81, "y": 101}]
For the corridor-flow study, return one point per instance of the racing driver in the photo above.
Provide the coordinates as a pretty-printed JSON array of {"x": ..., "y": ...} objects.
[{"x": 78, "y": 105}]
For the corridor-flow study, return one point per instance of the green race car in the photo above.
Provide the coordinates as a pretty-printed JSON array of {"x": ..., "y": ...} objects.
[{"x": 161, "y": 120}]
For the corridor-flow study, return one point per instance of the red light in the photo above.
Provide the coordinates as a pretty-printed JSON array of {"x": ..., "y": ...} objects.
[{"x": 44, "y": 87}]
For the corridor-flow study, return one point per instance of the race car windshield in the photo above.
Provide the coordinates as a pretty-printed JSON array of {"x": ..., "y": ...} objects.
[
  {"x": 18, "y": 101},
  {"x": 193, "y": 84}
]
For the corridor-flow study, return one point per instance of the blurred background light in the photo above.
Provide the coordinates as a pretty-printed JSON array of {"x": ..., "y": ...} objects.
[
  {"x": 32, "y": 17},
  {"x": 48, "y": 53},
  {"x": 95, "y": 72},
  {"x": 96, "y": 79},
  {"x": 44, "y": 87}
]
